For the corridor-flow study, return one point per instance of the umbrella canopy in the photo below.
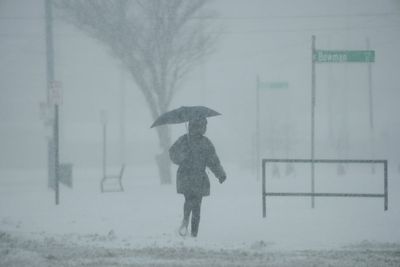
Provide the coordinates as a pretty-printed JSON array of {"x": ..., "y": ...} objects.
[{"x": 184, "y": 114}]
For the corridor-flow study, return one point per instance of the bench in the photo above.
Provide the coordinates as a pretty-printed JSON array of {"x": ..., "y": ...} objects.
[{"x": 113, "y": 183}]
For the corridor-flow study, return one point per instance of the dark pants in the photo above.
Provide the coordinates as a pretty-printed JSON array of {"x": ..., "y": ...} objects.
[{"x": 192, "y": 205}]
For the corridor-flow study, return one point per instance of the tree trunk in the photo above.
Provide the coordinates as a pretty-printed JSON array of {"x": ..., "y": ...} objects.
[
  {"x": 162, "y": 159},
  {"x": 163, "y": 132}
]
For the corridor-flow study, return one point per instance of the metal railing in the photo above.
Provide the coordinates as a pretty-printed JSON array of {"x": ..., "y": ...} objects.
[{"x": 313, "y": 194}]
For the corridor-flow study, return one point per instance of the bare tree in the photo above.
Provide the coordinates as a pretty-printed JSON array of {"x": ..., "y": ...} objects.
[{"x": 158, "y": 41}]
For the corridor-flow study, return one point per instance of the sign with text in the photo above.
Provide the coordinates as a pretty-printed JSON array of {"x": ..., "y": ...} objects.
[{"x": 343, "y": 56}]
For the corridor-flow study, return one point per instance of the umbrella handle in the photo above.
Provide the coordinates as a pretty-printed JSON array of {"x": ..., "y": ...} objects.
[{"x": 188, "y": 136}]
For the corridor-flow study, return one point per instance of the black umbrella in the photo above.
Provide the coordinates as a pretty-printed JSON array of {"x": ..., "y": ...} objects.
[{"x": 184, "y": 114}]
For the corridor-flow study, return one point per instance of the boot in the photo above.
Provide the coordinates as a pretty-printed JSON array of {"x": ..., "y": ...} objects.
[
  {"x": 195, "y": 226},
  {"x": 183, "y": 231}
]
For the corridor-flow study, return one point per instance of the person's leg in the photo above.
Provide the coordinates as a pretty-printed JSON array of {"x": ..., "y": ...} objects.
[
  {"x": 187, "y": 208},
  {"x": 196, "y": 215}
]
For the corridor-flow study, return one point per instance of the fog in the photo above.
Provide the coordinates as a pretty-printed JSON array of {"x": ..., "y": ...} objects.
[{"x": 269, "y": 40}]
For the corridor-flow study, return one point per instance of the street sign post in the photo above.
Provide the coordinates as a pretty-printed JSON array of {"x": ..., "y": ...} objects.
[
  {"x": 344, "y": 56},
  {"x": 329, "y": 56},
  {"x": 260, "y": 85}
]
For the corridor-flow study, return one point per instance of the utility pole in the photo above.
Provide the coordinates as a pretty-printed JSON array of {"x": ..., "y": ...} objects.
[{"x": 51, "y": 93}]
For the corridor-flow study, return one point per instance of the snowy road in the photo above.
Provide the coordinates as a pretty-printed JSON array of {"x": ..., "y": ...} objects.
[
  {"x": 134, "y": 228},
  {"x": 62, "y": 251}
]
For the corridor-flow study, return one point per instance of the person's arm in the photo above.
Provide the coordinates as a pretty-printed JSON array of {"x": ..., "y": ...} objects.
[{"x": 214, "y": 164}]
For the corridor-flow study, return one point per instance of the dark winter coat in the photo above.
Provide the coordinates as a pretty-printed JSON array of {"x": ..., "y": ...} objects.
[{"x": 193, "y": 153}]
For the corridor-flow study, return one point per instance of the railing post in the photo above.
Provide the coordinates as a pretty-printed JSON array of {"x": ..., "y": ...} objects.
[
  {"x": 264, "y": 204},
  {"x": 386, "y": 184}
]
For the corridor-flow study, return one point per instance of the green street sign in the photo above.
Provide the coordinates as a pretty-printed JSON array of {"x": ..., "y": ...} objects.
[
  {"x": 342, "y": 56},
  {"x": 273, "y": 85}
]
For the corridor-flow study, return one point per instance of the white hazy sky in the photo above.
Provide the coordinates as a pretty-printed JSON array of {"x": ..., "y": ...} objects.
[{"x": 271, "y": 39}]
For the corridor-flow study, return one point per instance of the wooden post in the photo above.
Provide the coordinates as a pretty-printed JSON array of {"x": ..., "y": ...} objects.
[{"x": 50, "y": 83}]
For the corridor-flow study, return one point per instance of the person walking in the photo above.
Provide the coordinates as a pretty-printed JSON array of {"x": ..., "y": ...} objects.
[{"x": 193, "y": 152}]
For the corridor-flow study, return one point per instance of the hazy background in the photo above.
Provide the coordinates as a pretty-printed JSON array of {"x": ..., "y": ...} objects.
[{"x": 271, "y": 39}]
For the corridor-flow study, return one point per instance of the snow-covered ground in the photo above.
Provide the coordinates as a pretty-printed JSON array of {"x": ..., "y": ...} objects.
[{"x": 138, "y": 227}]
